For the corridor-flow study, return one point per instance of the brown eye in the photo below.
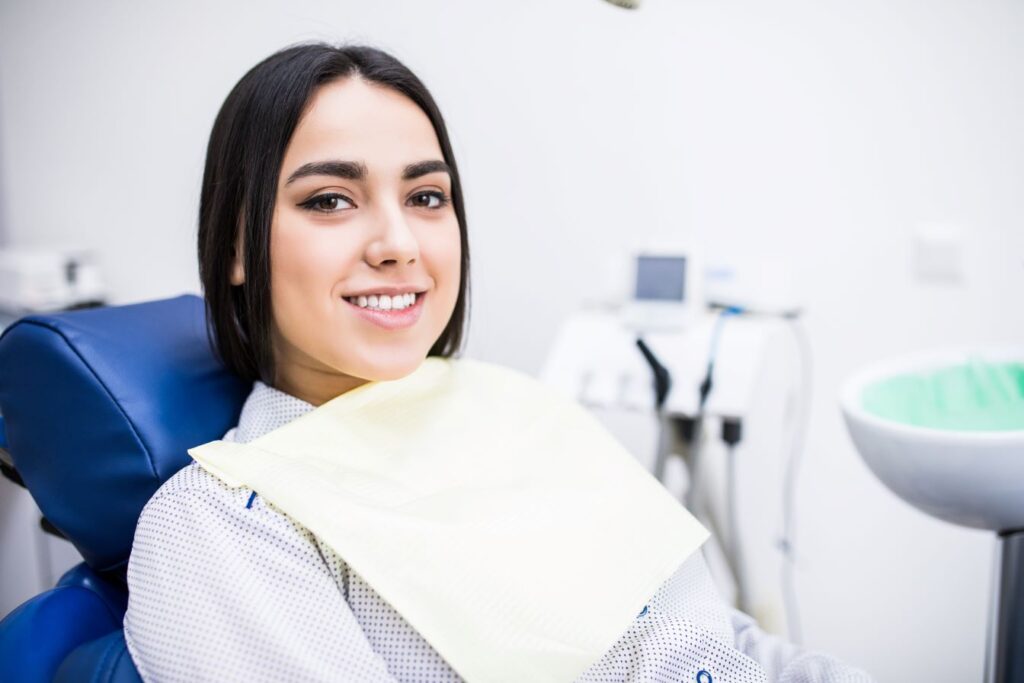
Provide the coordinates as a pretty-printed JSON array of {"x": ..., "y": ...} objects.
[
  {"x": 430, "y": 200},
  {"x": 328, "y": 203}
]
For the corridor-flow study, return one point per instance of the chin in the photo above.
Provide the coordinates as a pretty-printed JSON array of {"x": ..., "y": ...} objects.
[{"x": 391, "y": 368}]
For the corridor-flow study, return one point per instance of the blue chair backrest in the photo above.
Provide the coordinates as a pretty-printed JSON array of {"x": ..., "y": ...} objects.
[{"x": 100, "y": 407}]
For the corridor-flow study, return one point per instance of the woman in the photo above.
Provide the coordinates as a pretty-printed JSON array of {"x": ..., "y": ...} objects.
[{"x": 333, "y": 251}]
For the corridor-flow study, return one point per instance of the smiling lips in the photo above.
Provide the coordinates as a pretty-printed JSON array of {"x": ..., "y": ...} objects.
[
  {"x": 383, "y": 302},
  {"x": 390, "y": 312}
]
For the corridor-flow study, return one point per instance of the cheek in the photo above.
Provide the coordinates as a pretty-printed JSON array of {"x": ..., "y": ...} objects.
[
  {"x": 445, "y": 269},
  {"x": 446, "y": 255},
  {"x": 306, "y": 266}
]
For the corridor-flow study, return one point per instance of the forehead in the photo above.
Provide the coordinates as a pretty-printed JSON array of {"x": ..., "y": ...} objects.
[{"x": 354, "y": 120}]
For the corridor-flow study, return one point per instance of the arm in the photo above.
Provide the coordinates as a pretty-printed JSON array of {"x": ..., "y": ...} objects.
[
  {"x": 683, "y": 633},
  {"x": 221, "y": 591},
  {"x": 692, "y": 593},
  {"x": 785, "y": 662},
  {"x": 688, "y": 628}
]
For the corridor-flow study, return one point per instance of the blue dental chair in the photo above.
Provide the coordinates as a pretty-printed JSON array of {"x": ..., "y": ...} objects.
[{"x": 99, "y": 407}]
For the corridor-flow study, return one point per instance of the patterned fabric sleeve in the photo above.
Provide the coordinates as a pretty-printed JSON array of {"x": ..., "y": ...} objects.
[
  {"x": 687, "y": 632},
  {"x": 223, "y": 588},
  {"x": 785, "y": 662}
]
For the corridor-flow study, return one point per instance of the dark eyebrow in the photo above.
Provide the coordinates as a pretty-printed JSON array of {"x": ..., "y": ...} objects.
[
  {"x": 356, "y": 170},
  {"x": 421, "y": 168},
  {"x": 352, "y": 170}
]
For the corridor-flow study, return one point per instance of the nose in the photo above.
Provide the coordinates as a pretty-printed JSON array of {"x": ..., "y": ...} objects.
[{"x": 394, "y": 242}]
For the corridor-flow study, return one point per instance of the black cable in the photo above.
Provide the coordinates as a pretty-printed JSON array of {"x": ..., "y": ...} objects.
[{"x": 662, "y": 377}]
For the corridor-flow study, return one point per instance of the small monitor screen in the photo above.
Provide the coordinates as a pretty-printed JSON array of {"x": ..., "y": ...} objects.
[{"x": 661, "y": 278}]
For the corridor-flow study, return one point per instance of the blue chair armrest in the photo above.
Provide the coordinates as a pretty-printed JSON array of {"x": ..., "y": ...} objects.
[
  {"x": 112, "y": 591},
  {"x": 37, "y": 636},
  {"x": 102, "y": 661}
]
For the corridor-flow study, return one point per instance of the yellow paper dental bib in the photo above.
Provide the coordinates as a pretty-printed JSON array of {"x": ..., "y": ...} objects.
[{"x": 501, "y": 520}]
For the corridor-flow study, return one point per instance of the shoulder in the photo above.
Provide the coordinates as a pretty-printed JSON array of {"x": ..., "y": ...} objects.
[
  {"x": 192, "y": 478},
  {"x": 195, "y": 504},
  {"x": 193, "y": 483},
  {"x": 196, "y": 534}
]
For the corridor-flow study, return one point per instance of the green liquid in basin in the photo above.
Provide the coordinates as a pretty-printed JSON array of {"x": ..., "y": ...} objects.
[{"x": 976, "y": 396}]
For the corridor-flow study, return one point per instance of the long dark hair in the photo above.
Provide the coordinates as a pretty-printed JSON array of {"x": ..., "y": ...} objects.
[{"x": 243, "y": 162}]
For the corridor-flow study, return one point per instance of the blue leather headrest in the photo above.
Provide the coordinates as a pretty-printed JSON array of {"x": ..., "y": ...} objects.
[{"x": 100, "y": 407}]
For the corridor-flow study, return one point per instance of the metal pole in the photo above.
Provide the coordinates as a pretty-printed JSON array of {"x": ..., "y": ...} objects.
[{"x": 1008, "y": 648}]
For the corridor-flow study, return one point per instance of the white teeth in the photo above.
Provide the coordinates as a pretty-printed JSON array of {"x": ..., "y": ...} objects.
[{"x": 384, "y": 302}]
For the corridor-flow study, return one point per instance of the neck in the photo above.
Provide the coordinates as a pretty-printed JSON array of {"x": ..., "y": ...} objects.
[{"x": 315, "y": 386}]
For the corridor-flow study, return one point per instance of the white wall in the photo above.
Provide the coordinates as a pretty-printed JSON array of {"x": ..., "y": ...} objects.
[
  {"x": 31, "y": 560},
  {"x": 821, "y": 133}
]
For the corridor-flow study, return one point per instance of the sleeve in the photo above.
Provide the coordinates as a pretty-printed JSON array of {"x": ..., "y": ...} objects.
[
  {"x": 687, "y": 632},
  {"x": 785, "y": 662},
  {"x": 692, "y": 593},
  {"x": 683, "y": 633},
  {"x": 221, "y": 590}
]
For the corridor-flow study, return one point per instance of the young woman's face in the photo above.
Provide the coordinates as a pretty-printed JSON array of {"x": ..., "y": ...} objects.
[{"x": 363, "y": 216}]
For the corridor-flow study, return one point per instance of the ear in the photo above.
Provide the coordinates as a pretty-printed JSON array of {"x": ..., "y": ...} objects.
[{"x": 237, "y": 267}]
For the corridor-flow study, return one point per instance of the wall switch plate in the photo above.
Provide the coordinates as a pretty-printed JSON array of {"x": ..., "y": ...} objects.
[{"x": 938, "y": 253}]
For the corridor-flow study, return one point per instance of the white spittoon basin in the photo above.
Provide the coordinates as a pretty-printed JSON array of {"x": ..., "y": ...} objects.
[{"x": 971, "y": 478}]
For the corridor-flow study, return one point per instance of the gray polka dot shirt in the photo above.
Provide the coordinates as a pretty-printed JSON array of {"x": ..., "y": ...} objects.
[{"x": 224, "y": 587}]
